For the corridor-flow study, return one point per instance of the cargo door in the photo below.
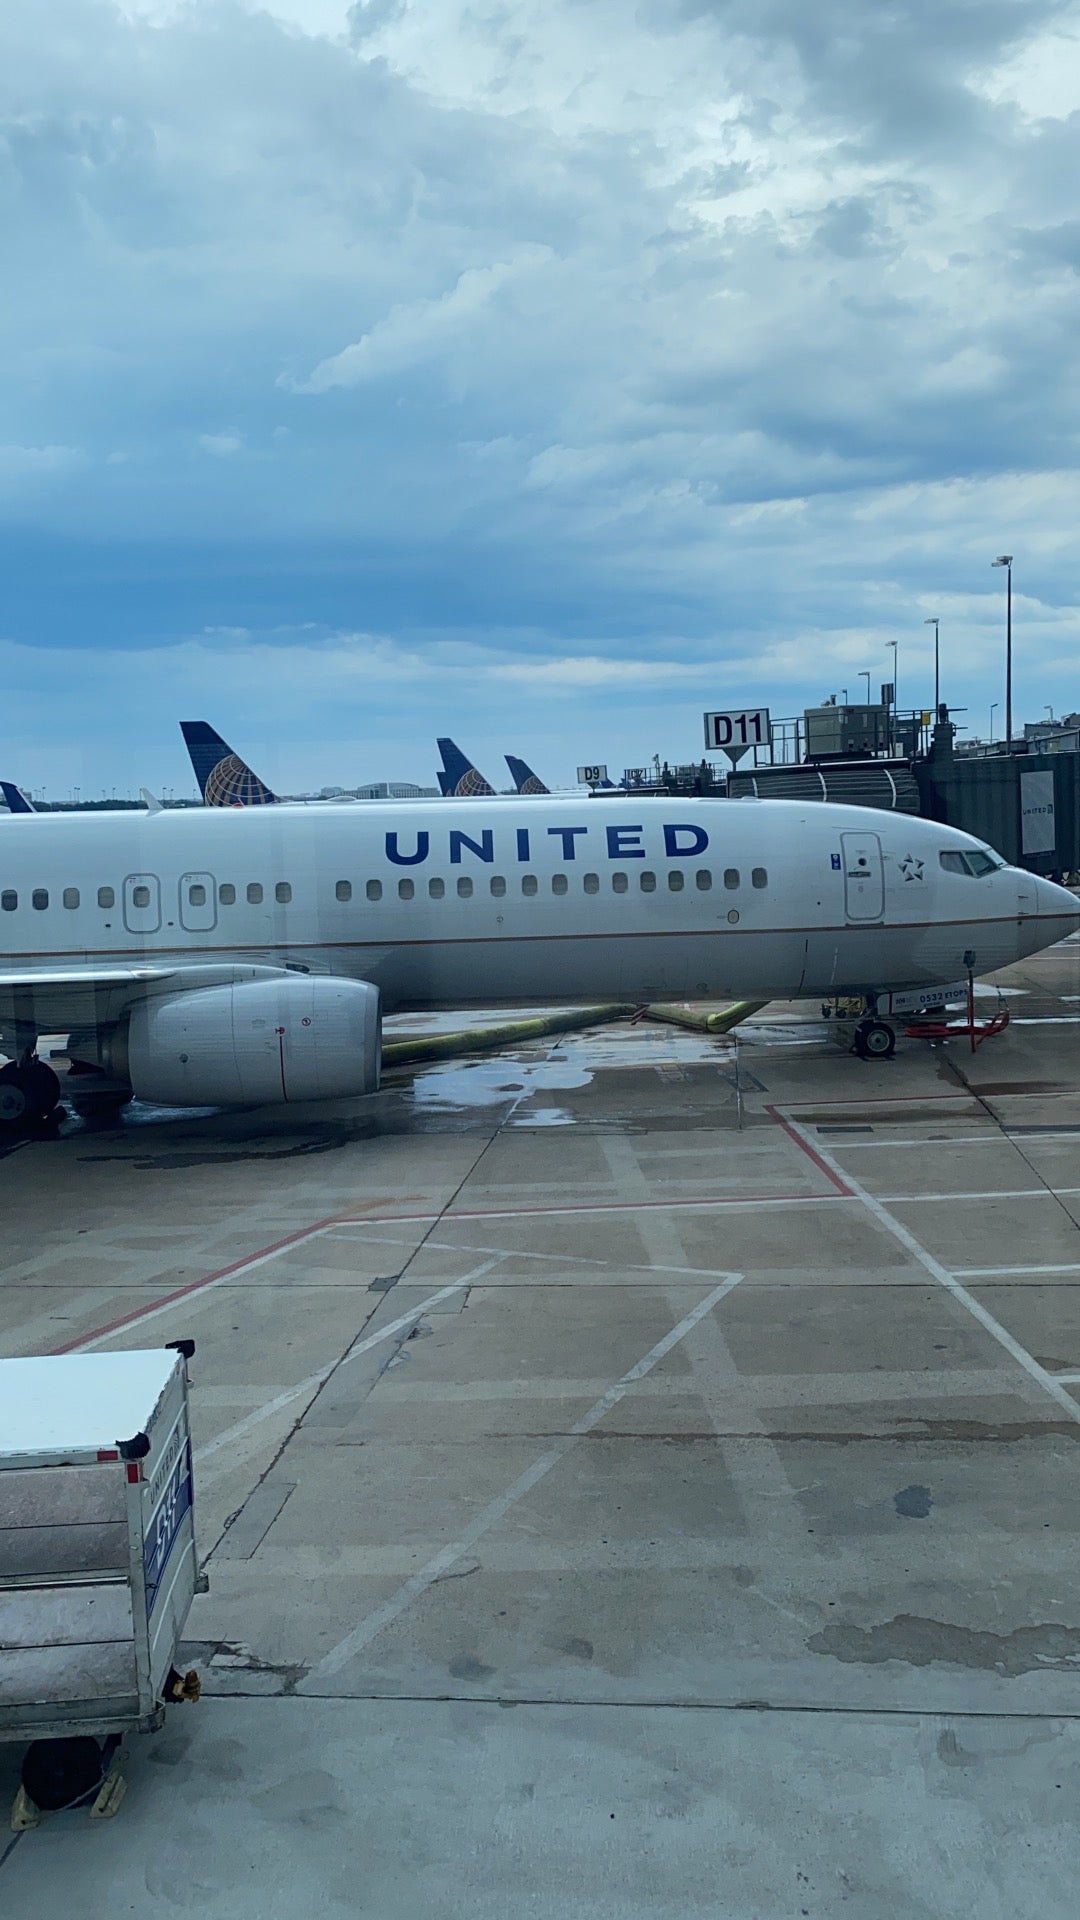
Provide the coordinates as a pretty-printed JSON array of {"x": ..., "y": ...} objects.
[
  {"x": 864, "y": 876},
  {"x": 142, "y": 903},
  {"x": 198, "y": 902}
]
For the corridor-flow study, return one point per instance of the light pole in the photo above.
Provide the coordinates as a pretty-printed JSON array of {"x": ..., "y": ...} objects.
[
  {"x": 1006, "y": 560},
  {"x": 895, "y": 645},
  {"x": 935, "y": 623},
  {"x": 864, "y": 674},
  {"x": 993, "y": 710}
]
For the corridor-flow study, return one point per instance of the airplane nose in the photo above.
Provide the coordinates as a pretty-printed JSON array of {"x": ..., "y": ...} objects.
[{"x": 1057, "y": 903}]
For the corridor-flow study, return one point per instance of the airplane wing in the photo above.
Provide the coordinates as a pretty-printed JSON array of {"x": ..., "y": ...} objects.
[{"x": 56, "y": 999}]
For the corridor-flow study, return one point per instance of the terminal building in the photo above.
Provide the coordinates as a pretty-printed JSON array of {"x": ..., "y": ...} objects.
[{"x": 1020, "y": 796}]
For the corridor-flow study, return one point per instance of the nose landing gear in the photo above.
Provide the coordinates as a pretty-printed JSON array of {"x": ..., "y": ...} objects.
[{"x": 875, "y": 1040}]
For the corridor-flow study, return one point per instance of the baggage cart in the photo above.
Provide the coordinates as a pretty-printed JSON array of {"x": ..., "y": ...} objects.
[{"x": 97, "y": 1562}]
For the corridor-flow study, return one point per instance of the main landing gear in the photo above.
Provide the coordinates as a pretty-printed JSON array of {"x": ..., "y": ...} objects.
[{"x": 29, "y": 1093}]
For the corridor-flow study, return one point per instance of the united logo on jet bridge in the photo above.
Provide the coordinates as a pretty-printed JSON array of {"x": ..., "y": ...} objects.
[{"x": 681, "y": 842}]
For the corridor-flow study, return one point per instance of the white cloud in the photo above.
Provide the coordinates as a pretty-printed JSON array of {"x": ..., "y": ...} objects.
[
  {"x": 422, "y": 329},
  {"x": 221, "y": 445}
]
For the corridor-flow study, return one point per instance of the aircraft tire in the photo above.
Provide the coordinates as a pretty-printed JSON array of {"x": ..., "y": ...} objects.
[
  {"x": 875, "y": 1040},
  {"x": 28, "y": 1092}
]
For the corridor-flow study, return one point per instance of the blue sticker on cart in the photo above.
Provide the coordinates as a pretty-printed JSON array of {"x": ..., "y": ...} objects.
[{"x": 174, "y": 1505}]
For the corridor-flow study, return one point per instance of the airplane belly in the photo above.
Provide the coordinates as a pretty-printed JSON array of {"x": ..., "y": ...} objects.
[
  {"x": 625, "y": 966},
  {"x": 855, "y": 959}
]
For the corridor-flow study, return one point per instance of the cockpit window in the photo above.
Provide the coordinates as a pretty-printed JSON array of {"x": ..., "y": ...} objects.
[{"x": 976, "y": 864}]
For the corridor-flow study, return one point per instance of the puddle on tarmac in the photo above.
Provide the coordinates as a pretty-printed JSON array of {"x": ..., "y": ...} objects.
[{"x": 455, "y": 1084}]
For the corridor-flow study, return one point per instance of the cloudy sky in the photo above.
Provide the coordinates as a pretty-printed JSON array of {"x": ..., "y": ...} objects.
[{"x": 540, "y": 371}]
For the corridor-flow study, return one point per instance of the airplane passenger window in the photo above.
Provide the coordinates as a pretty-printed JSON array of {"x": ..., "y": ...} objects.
[
  {"x": 405, "y": 889},
  {"x": 675, "y": 880},
  {"x": 71, "y": 896},
  {"x": 40, "y": 899},
  {"x": 283, "y": 893},
  {"x": 464, "y": 887},
  {"x": 437, "y": 889},
  {"x": 647, "y": 882},
  {"x": 591, "y": 883},
  {"x": 559, "y": 883},
  {"x": 619, "y": 883},
  {"x": 254, "y": 893},
  {"x": 704, "y": 879},
  {"x": 226, "y": 893},
  {"x": 343, "y": 890},
  {"x": 9, "y": 900},
  {"x": 106, "y": 897},
  {"x": 528, "y": 884},
  {"x": 759, "y": 878},
  {"x": 140, "y": 897},
  {"x": 953, "y": 862},
  {"x": 498, "y": 886},
  {"x": 374, "y": 889},
  {"x": 731, "y": 878},
  {"x": 197, "y": 894}
]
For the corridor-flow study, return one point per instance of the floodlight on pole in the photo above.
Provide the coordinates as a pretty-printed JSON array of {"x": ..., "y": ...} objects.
[
  {"x": 1005, "y": 560},
  {"x": 864, "y": 674},
  {"x": 935, "y": 623}
]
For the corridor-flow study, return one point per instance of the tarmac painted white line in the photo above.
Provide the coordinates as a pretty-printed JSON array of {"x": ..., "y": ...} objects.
[
  {"x": 951, "y": 1284},
  {"x": 232, "y": 1435},
  {"x": 1065, "y": 1378},
  {"x": 497, "y": 1509},
  {"x": 995, "y": 1193},
  {"x": 1002, "y": 1273}
]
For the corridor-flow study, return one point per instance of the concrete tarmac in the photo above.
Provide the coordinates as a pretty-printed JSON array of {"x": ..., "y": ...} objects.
[{"x": 636, "y": 1475}]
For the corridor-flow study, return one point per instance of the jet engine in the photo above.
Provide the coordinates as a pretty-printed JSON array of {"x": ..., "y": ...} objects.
[{"x": 256, "y": 1042}]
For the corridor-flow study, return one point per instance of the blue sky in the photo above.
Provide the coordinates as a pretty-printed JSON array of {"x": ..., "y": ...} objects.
[{"x": 540, "y": 371}]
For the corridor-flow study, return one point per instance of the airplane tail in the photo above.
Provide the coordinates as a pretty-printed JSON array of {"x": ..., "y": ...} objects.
[
  {"x": 16, "y": 802},
  {"x": 525, "y": 780},
  {"x": 459, "y": 779},
  {"x": 224, "y": 779}
]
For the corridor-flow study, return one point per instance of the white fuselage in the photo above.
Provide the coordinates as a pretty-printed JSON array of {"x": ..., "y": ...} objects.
[{"x": 519, "y": 900}]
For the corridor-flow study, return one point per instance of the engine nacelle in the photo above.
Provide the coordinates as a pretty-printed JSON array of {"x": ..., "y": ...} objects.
[{"x": 260, "y": 1041}]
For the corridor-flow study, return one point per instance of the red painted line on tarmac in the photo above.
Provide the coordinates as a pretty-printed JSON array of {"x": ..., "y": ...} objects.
[
  {"x": 196, "y": 1286},
  {"x": 811, "y": 1153},
  {"x": 595, "y": 1206}
]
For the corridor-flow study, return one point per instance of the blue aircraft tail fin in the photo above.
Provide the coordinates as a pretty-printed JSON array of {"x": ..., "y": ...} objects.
[
  {"x": 525, "y": 780},
  {"x": 16, "y": 802},
  {"x": 460, "y": 780},
  {"x": 224, "y": 779}
]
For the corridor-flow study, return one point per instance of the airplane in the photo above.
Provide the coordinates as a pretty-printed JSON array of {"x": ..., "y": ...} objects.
[
  {"x": 525, "y": 780},
  {"x": 234, "y": 957},
  {"x": 457, "y": 777},
  {"x": 224, "y": 779},
  {"x": 16, "y": 801}
]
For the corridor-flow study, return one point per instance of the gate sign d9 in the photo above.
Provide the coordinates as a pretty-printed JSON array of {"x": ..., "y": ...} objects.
[{"x": 747, "y": 729}]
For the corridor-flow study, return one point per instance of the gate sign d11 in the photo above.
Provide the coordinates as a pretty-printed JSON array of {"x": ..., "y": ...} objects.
[{"x": 725, "y": 731}]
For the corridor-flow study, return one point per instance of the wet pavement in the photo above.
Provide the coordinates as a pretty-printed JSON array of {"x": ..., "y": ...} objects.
[{"x": 637, "y": 1475}]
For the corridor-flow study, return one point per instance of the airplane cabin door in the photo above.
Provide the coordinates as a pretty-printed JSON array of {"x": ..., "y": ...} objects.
[
  {"x": 864, "y": 876},
  {"x": 142, "y": 903},
  {"x": 198, "y": 902}
]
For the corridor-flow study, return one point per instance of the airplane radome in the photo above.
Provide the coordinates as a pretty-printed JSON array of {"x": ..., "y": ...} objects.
[{"x": 230, "y": 956}]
